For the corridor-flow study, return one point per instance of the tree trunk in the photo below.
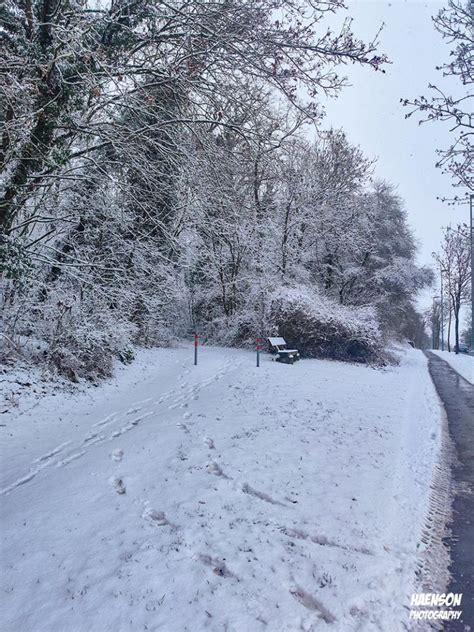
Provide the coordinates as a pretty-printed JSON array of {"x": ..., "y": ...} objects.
[{"x": 284, "y": 244}]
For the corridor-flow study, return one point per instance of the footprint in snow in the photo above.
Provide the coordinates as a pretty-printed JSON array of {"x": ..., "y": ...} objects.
[
  {"x": 106, "y": 420},
  {"x": 187, "y": 415},
  {"x": 117, "y": 454},
  {"x": 254, "y": 492},
  {"x": 215, "y": 468},
  {"x": 118, "y": 485},
  {"x": 89, "y": 438},
  {"x": 156, "y": 518},
  {"x": 209, "y": 442},
  {"x": 311, "y": 603},
  {"x": 183, "y": 427},
  {"x": 218, "y": 566}
]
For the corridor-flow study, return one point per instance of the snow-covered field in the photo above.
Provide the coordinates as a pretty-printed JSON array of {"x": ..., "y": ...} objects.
[
  {"x": 461, "y": 362},
  {"x": 218, "y": 497}
]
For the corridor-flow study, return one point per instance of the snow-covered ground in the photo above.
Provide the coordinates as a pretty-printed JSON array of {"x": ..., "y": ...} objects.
[
  {"x": 461, "y": 362},
  {"x": 218, "y": 497}
]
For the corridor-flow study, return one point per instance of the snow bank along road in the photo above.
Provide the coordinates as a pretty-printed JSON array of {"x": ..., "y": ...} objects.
[
  {"x": 219, "y": 497},
  {"x": 461, "y": 362}
]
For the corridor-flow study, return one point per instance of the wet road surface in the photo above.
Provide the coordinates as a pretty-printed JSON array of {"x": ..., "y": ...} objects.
[{"x": 457, "y": 396}]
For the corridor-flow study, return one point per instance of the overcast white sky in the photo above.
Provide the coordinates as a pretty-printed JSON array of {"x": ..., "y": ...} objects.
[{"x": 371, "y": 113}]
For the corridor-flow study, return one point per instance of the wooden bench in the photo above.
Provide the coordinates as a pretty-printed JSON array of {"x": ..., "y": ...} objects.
[{"x": 277, "y": 347}]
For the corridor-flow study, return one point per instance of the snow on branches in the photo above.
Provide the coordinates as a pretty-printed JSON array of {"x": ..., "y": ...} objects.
[{"x": 155, "y": 176}]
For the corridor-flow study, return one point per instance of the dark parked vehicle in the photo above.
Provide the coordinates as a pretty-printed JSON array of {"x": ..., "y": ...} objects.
[{"x": 463, "y": 348}]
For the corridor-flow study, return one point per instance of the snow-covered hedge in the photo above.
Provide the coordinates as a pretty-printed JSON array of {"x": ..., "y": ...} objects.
[{"x": 321, "y": 328}]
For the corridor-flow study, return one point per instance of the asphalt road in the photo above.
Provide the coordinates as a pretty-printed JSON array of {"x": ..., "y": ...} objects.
[{"x": 458, "y": 399}]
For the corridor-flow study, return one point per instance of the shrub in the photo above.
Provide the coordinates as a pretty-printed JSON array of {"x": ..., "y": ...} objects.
[
  {"x": 232, "y": 331},
  {"x": 88, "y": 349},
  {"x": 321, "y": 328}
]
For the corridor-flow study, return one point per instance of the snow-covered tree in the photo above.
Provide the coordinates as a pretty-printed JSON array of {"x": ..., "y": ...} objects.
[
  {"x": 157, "y": 177},
  {"x": 455, "y": 23},
  {"x": 454, "y": 260}
]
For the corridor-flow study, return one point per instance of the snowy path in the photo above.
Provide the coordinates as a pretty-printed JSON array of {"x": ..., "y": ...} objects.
[
  {"x": 219, "y": 497},
  {"x": 84, "y": 428}
]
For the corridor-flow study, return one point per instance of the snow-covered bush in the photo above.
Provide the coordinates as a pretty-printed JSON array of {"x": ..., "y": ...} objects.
[
  {"x": 78, "y": 339},
  {"x": 321, "y": 328},
  {"x": 232, "y": 331},
  {"x": 89, "y": 349}
]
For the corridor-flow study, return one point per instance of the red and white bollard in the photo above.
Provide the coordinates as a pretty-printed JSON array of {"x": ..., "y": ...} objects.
[
  {"x": 196, "y": 344},
  {"x": 259, "y": 348}
]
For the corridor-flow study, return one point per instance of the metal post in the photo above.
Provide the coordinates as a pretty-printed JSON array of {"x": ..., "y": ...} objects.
[
  {"x": 442, "y": 313},
  {"x": 435, "y": 298},
  {"x": 471, "y": 198},
  {"x": 196, "y": 342},
  {"x": 433, "y": 325},
  {"x": 259, "y": 347}
]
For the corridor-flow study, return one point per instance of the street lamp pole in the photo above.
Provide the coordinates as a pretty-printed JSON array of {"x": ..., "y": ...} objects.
[
  {"x": 442, "y": 311},
  {"x": 471, "y": 199},
  {"x": 433, "y": 322},
  {"x": 433, "y": 325}
]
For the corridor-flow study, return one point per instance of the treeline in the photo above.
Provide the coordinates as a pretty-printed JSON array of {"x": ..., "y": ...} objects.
[
  {"x": 157, "y": 178},
  {"x": 454, "y": 269}
]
